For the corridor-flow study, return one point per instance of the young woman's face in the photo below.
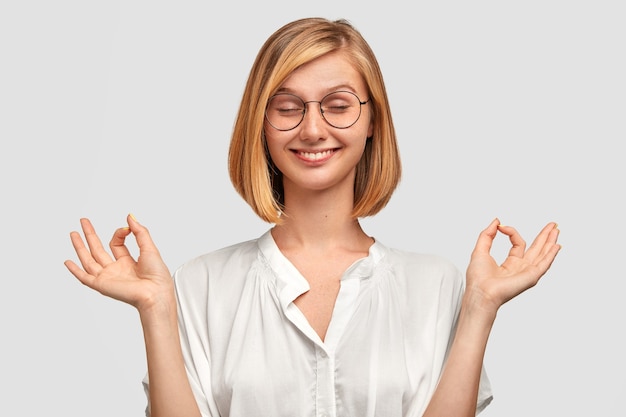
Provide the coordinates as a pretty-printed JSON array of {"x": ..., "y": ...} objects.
[{"x": 315, "y": 155}]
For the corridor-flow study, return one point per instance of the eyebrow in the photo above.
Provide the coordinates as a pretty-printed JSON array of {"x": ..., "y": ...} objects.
[{"x": 338, "y": 87}]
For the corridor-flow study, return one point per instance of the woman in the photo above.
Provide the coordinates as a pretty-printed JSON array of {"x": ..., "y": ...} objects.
[{"x": 315, "y": 317}]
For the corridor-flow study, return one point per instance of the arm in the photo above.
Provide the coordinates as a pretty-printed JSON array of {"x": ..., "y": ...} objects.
[
  {"x": 489, "y": 286},
  {"x": 146, "y": 284}
]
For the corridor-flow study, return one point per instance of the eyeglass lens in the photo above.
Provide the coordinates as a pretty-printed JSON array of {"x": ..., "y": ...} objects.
[{"x": 340, "y": 109}]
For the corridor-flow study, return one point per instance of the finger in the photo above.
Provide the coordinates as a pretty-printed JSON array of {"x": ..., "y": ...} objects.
[
  {"x": 543, "y": 242},
  {"x": 95, "y": 245},
  {"x": 518, "y": 245},
  {"x": 545, "y": 262},
  {"x": 81, "y": 275},
  {"x": 117, "y": 244},
  {"x": 144, "y": 240},
  {"x": 89, "y": 264},
  {"x": 541, "y": 265},
  {"x": 550, "y": 248},
  {"x": 485, "y": 239}
]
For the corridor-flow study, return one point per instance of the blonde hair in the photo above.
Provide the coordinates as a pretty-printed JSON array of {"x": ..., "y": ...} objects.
[{"x": 251, "y": 170}]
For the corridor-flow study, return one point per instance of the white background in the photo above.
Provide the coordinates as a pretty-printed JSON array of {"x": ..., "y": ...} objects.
[{"x": 509, "y": 109}]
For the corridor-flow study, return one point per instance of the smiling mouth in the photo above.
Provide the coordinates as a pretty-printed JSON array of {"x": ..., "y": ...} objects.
[{"x": 315, "y": 156}]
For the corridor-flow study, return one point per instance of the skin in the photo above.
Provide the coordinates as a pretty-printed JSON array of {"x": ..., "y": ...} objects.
[
  {"x": 319, "y": 236},
  {"x": 321, "y": 239},
  {"x": 333, "y": 173},
  {"x": 146, "y": 284}
]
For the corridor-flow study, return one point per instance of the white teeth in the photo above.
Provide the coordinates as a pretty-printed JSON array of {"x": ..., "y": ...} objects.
[{"x": 315, "y": 155}]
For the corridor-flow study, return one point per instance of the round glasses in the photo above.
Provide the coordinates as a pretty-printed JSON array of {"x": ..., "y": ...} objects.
[{"x": 340, "y": 109}]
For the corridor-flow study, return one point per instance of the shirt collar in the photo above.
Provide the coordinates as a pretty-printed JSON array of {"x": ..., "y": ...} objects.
[{"x": 289, "y": 281}]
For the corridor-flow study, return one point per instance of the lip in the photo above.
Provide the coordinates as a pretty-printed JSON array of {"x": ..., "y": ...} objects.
[{"x": 314, "y": 156}]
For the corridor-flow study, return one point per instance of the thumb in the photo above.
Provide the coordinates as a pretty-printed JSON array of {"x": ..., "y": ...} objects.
[
  {"x": 142, "y": 235},
  {"x": 485, "y": 239}
]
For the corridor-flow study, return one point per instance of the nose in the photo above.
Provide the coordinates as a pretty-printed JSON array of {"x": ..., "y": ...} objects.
[{"x": 313, "y": 125}]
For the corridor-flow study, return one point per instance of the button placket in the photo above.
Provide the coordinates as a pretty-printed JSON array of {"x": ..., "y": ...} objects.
[{"x": 325, "y": 395}]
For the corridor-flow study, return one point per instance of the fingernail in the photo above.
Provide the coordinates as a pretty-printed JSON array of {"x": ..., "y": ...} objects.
[{"x": 132, "y": 216}]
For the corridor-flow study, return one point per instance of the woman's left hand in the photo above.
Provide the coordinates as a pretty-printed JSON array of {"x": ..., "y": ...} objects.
[{"x": 491, "y": 285}]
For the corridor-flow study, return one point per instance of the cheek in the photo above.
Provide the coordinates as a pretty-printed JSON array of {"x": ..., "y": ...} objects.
[
  {"x": 273, "y": 149},
  {"x": 268, "y": 140}
]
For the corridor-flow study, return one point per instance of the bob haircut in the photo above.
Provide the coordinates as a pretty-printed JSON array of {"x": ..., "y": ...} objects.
[{"x": 251, "y": 170}]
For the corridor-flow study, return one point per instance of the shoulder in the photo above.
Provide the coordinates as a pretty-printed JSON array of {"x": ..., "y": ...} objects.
[
  {"x": 228, "y": 262},
  {"x": 223, "y": 256},
  {"x": 424, "y": 270},
  {"x": 420, "y": 262}
]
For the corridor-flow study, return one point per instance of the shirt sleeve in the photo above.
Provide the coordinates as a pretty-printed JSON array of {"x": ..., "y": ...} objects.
[{"x": 485, "y": 395}]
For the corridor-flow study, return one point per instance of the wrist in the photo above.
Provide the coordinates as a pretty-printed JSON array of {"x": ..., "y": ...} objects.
[
  {"x": 158, "y": 311},
  {"x": 479, "y": 307}
]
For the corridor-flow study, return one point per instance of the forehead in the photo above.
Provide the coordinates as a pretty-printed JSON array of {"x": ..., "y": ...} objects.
[{"x": 323, "y": 75}]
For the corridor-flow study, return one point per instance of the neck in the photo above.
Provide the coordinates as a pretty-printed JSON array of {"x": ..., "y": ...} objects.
[{"x": 319, "y": 221}]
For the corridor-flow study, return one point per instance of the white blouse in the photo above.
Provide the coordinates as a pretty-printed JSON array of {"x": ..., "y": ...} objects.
[{"x": 249, "y": 351}]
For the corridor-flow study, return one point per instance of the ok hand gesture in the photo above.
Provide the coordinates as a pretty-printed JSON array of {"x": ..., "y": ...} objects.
[
  {"x": 142, "y": 283},
  {"x": 491, "y": 285}
]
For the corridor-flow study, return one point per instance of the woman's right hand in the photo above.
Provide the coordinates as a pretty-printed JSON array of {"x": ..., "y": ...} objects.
[{"x": 144, "y": 283}]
